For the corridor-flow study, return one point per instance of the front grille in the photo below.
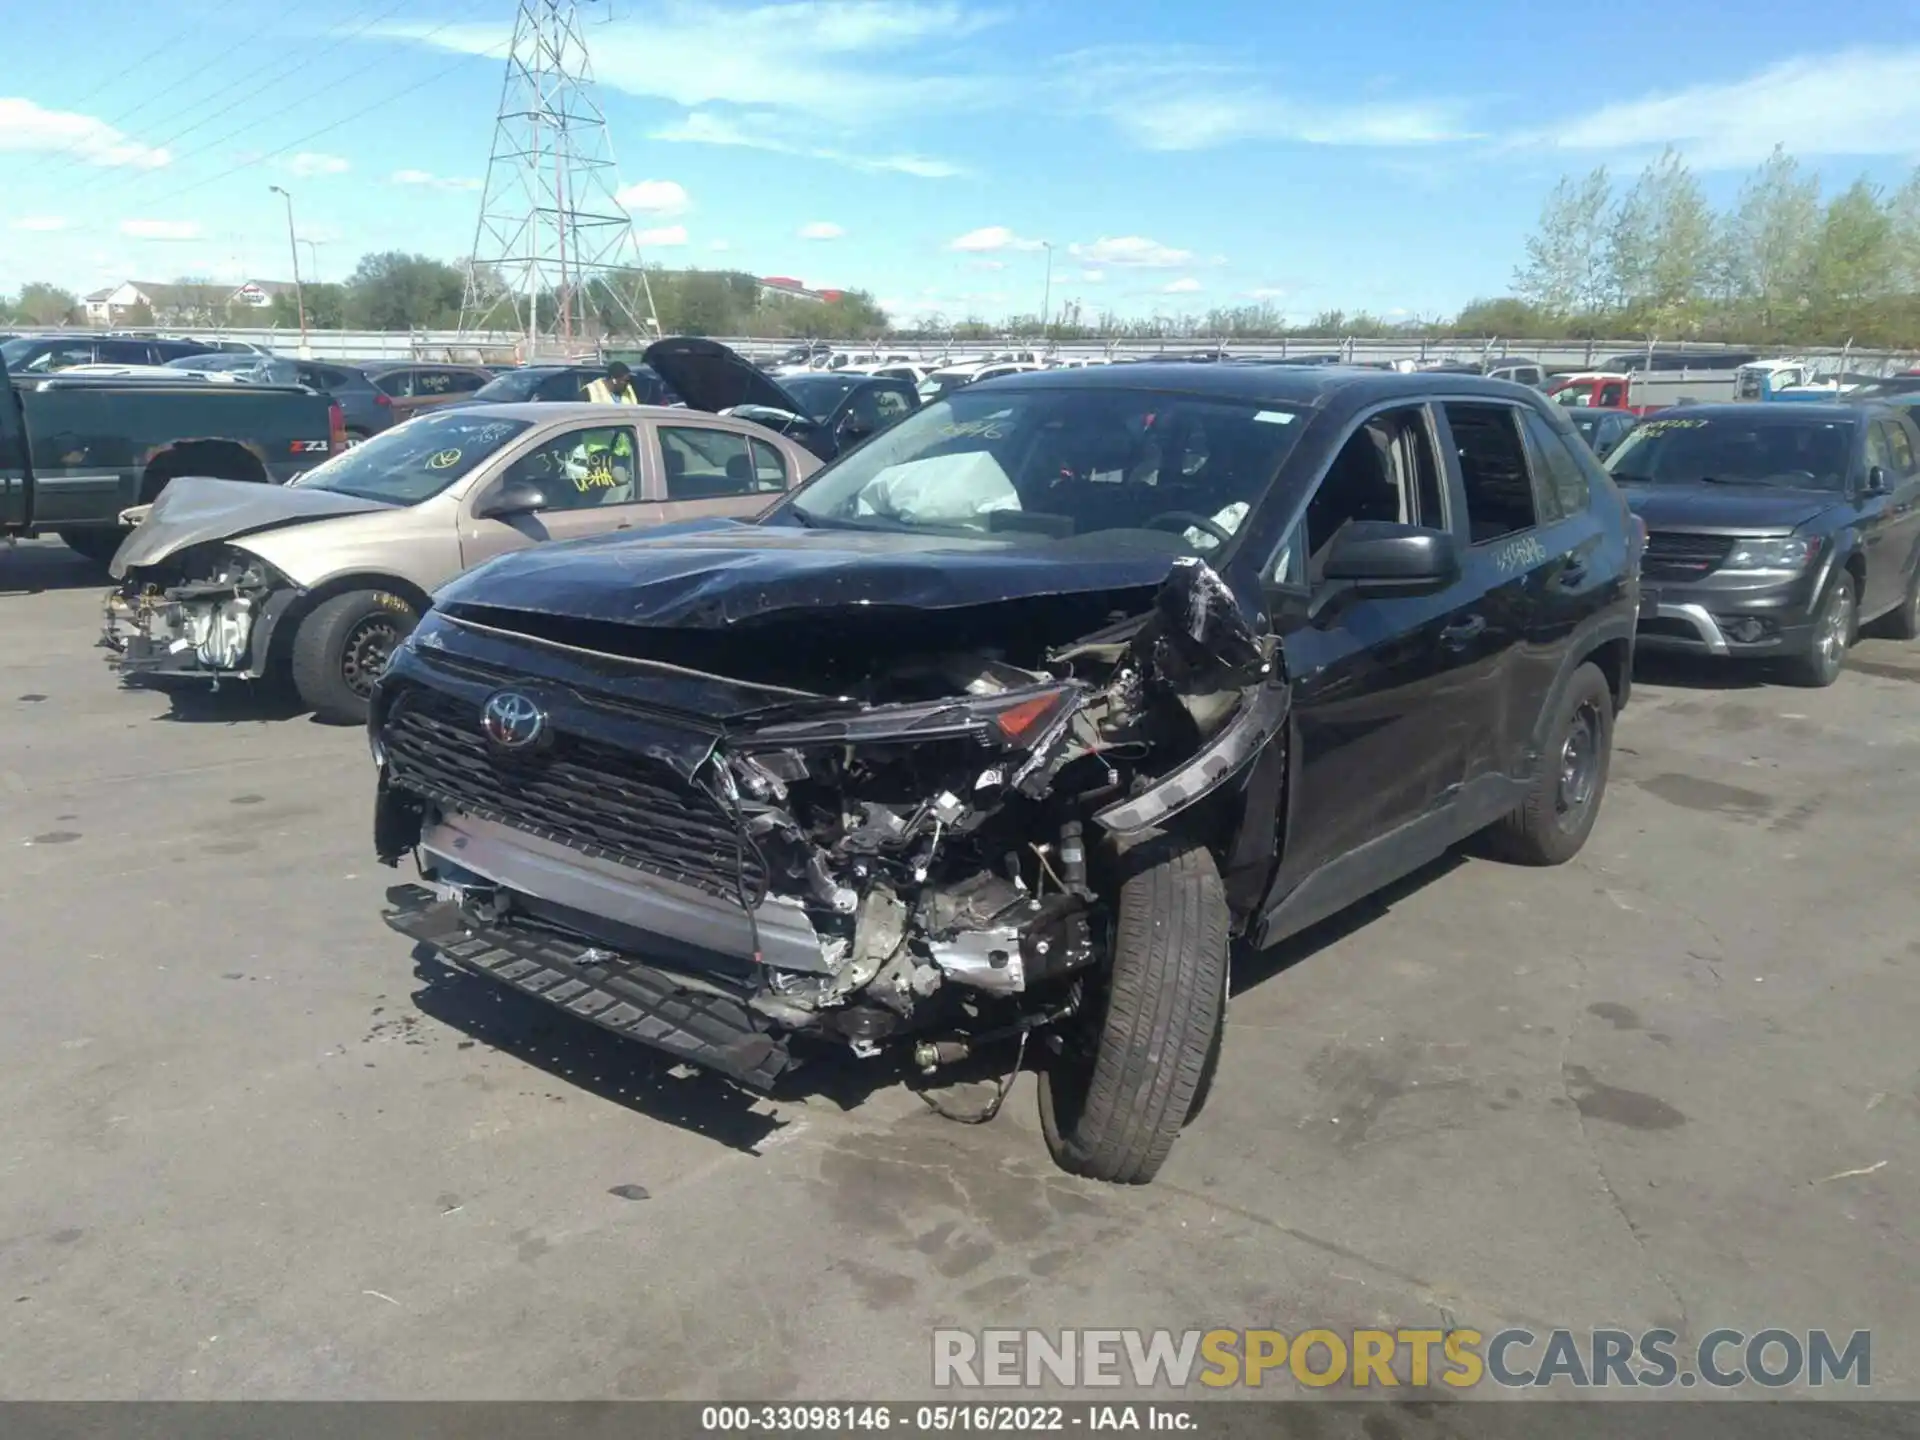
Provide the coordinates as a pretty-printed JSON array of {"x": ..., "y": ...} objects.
[
  {"x": 591, "y": 797},
  {"x": 1672, "y": 555}
]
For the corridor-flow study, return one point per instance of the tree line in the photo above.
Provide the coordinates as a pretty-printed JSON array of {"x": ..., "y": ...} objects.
[
  {"x": 392, "y": 290},
  {"x": 1786, "y": 263}
]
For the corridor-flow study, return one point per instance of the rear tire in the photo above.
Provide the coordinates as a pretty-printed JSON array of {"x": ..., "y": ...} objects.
[
  {"x": 342, "y": 646},
  {"x": 1115, "y": 1114},
  {"x": 1553, "y": 822},
  {"x": 97, "y": 543},
  {"x": 1833, "y": 631},
  {"x": 1904, "y": 623}
]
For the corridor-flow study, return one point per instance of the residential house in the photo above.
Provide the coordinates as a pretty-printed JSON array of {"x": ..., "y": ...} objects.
[{"x": 180, "y": 303}]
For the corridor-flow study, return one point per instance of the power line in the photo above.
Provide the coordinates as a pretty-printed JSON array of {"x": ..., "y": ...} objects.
[
  {"x": 360, "y": 113},
  {"x": 244, "y": 128},
  {"x": 114, "y": 122}
]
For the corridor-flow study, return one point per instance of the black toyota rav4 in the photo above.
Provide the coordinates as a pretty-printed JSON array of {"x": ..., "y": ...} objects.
[{"x": 1012, "y": 719}]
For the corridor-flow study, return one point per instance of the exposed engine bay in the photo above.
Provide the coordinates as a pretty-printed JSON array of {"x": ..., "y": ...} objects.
[
  {"x": 197, "y": 612},
  {"x": 939, "y": 828}
]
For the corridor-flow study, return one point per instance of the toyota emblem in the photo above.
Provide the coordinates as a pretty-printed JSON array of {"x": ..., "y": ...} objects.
[{"x": 513, "y": 721}]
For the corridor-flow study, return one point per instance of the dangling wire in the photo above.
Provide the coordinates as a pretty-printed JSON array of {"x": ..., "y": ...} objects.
[{"x": 999, "y": 1094}]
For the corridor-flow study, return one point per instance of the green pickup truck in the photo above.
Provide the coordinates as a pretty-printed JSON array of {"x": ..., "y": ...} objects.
[{"x": 76, "y": 450}]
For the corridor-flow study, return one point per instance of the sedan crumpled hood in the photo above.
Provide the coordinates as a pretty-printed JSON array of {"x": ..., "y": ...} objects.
[
  {"x": 1736, "y": 509},
  {"x": 195, "y": 509},
  {"x": 715, "y": 574}
]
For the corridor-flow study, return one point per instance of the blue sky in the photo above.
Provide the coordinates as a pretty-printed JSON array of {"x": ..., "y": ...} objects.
[{"x": 1378, "y": 154}]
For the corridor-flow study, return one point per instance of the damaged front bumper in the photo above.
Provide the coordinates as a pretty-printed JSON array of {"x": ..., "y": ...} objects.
[
  {"x": 209, "y": 630},
  {"x": 877, "y": 868}
]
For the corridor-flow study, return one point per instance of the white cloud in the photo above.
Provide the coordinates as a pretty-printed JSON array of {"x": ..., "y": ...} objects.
[
  {"x": 986, "y": 264},
  {"x": 716, "y": 246},
  {"x": 1186, "y": 285},
  {"x": 1850, "y": 102},
  {"x": 310, "y": 162},
  {"x": 438, "y": 182},
  {"x": 768, "y": 132},
  {"x": 41, "y": 223},
  {"x": 27, "y": 128},
  {"x": 1131, "y": 250},
  {"x": 1093, "y": 277},
  {"x": 160, "y": 229},
  {"x": 881, "y": 57},
  {"x": 663, "y": 236},
  {"x": 820, "y": 230},
  {"x": 1189, "y": 98},
  {"x": 654, "y": 197},
  {"x": 993, "y": 237}
]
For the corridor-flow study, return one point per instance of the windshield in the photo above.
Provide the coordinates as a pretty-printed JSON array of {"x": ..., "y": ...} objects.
[
  {"x": 818, "y": 392},
  {"x": 1737, "y": 450},
  {"x": 414, "y": 461},
  {"x": 15, "y": 350},
  {"x": 514, "y": 385},
  {"x": 1060, "y": 464}
]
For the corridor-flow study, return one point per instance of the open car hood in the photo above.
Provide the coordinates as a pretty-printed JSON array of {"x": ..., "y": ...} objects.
[
  {"x": 717, "y": 574},
  {"x": 709, "y": 376},
  {"x": 194, "y": 509}
]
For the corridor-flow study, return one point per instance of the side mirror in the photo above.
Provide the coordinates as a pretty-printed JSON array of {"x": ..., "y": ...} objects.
[
  {"x": 1877, "y": 481},
  {"x": 1384, "y": 557},
  {"x": 514, "y": 497}
]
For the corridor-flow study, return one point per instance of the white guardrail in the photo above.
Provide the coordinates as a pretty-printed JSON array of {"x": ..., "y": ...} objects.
[{"x": 509, "y": 347}]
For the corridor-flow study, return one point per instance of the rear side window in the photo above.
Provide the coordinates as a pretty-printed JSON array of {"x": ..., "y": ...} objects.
[
  {"x": 123, "y": 352},
  {"x": 769, "y": 467},
  {"x": 461, "y": 382},
  {"x": 1493, "y": 470},
  {"x": 1562, "y": 481},
  {"x": 397, "y": 383},
  {"x": 1900, "y": 445},
  {"x": 704, "y": 464}
]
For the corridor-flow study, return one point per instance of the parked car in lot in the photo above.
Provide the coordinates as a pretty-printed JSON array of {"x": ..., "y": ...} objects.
[
  {"x": 944, "y": 381},
  {"x": 566, "y": 384},
  {"x": 253, "y": 369},
  {"x": 50, "y": 354},
  {"x": 366, "y": 409},
  {"x": 413, "y": 387},
  {"x": 1011, "y": 717},
  {"x": 826, "y": 411},
  {"x": 1601, "y": 429},
  {"x": 76, "y": 451},
  {"x": 1775, "y": 532},
  {"x": 321, "y": 578}
]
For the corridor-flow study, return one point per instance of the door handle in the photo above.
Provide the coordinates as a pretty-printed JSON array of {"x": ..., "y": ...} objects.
[
  {"x": 1572, "y": 572},
  {"x": 1460, "y": 634}
]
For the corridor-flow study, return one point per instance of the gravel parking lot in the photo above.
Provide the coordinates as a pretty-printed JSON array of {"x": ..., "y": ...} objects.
[{"x": 250, "y": 1148}]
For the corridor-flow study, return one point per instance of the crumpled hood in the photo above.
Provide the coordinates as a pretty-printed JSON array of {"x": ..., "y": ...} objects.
[
  {"x": 1753, "y": 509},
  {"x": 195, "y": 509},
  {"x": 709, "y": 376},
  {"x": 715, "y": 574}
]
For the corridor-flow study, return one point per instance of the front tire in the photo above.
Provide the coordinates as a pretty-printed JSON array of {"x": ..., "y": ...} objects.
[
  {"x": 1553, "y": 822},
  {"x": 1833, "y": 627},
  {"x": 342, "y": 646},
  {"x": 1114, "y": 1114}
]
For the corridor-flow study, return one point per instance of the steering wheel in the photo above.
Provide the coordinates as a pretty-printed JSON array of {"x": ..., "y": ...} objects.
[{"x": 1188, "y": 520}]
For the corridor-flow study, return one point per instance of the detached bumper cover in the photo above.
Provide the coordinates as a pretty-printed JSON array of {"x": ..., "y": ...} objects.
[{"x": 639, "y": 1001}]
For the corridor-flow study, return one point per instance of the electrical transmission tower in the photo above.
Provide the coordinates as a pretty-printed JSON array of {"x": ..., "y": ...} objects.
[{"x": 554, "y": 253}]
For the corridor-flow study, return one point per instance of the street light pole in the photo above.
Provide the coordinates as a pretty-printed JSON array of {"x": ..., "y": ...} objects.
[
  {"x": 1046, "y": 295},
  {"x": 293, "y": 244}
]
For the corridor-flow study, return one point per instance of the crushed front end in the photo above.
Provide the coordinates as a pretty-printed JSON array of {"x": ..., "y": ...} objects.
[
  {"x": 206, "y": 612},
  {"x": 724, "y": 863}
]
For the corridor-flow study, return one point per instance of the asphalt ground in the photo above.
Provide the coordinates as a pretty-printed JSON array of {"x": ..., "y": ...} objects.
[{"x": 250, "y": 1148}]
